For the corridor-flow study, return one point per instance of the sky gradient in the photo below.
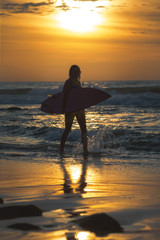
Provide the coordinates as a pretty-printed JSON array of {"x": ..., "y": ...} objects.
[{"x": 108, "y": 39}]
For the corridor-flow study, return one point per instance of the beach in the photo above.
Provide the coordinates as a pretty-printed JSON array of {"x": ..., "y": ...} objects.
[
  {"x": 120, "y": 177},
  {"x": 130, "y": 196}
]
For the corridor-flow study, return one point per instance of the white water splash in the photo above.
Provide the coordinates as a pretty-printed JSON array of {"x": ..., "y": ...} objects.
[{"x": 102, "y": 141}]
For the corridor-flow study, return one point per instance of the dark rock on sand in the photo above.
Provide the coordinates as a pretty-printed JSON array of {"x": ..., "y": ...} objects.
[
  {"x": 19, "y": 211},
  {"x": 25, "y": 227},
  {"x": 101, "y": 224},
  {"x": 14, "y": 109},
  {"x": 1, "y": 200},
  {"x": 50, "y": 225}
]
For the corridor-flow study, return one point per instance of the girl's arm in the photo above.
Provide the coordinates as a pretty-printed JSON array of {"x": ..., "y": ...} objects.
[{"x": 66, "y": 89}]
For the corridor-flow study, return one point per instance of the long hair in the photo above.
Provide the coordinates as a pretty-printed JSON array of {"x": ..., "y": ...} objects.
[{"x": 74, "y": 71}]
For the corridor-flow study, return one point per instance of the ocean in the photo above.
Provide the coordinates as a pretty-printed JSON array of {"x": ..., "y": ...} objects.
[
  {"x": 127, "y": 125},
  {"x": 119, "y": 177}
]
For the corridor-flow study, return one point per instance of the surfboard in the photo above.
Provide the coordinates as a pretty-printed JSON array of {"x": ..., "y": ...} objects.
[{"x": 78, "y": 98}]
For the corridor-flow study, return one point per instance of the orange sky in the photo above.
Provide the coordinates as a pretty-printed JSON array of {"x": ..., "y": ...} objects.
[{"x": 110, "y": 40}]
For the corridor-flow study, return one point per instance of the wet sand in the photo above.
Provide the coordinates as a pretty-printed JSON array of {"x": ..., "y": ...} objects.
[{"x": 68, "y": 188}]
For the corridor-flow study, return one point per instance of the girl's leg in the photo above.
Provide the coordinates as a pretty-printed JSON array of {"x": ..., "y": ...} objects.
[
  {"x": 82, "y": 123},
  {"x": 69, "y": 117}
]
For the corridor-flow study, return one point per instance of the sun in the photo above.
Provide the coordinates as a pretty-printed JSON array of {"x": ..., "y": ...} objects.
[
  {"x": 80, "y": 16},
  {"x": 79, "y": 20}
]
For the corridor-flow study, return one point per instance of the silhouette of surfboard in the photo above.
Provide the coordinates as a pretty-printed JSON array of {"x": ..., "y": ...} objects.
[{"x": 78, "y": 98}]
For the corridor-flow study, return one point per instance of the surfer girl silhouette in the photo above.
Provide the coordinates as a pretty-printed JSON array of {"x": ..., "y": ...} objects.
[{"x": 73, "y": 82}]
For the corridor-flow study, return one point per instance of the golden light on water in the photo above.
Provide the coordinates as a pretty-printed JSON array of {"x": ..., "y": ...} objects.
[
  {"x": 82, "y": 235},
  {"x": 75, "y": 172},
  {"x": 81, "y": 16}
]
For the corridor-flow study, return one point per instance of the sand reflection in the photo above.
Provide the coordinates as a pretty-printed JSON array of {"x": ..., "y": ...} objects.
[
  {"x": 74, "y": 176},
  {"x": 127, "y": 191}
]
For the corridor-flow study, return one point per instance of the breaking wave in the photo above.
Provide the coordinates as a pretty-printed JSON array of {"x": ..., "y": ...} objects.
[{"x": 134, "y": 90}]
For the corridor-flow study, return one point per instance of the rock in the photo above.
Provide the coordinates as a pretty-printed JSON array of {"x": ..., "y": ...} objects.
[
  {"x": 14, "y": 109},
  {"x": 101, "y": 224},
  {"x": 24, "y": 227},
  {"x": 19, "y": 211},
  {"x": 1, "y": 200}
]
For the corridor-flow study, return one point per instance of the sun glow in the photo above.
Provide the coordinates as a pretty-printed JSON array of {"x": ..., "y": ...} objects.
[
  {"x": 80, "y": 16},
  {"x": 79, "y": 21}
]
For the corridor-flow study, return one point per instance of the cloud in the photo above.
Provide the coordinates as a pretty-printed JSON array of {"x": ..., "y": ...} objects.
[
  {"x": 100, "y": 7},
  {"x": 63, "y": 7},
  {"x": 4, "y": 14},
  {"x": 87, "y": 0},
  {"x": 28, "y": 7},
  {"x": 43, "y": 7}
]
